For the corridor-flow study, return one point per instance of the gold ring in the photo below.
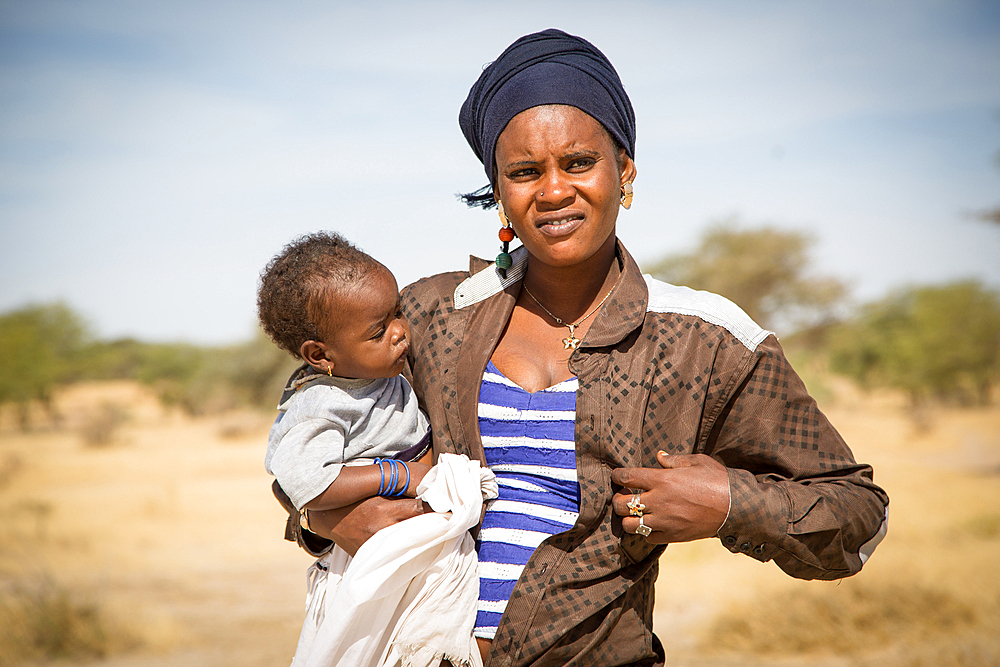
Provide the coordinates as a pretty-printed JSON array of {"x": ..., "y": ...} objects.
[
  {"x": 643, "y": 529},
  {"x": 635, "y": 507}
]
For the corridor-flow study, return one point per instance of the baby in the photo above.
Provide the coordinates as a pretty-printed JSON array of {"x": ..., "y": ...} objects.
[{"x": 349, "y": 428}]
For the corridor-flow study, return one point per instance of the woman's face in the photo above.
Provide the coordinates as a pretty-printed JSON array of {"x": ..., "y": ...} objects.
[{"x": 559, "y": 177}]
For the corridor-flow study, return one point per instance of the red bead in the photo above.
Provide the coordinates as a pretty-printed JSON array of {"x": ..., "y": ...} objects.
[{"x": 506, "y": 234}]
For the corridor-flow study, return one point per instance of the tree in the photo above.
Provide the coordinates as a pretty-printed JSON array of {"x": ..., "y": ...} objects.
[
  {"x": 938, "y": 342},
  {"x": 39, "y": 345},
  {"x": 763, "y": 270}
]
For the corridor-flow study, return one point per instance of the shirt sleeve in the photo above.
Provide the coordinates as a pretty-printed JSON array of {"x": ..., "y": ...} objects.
[
  {"x": 797, "y": 496},
  {"x": 308, "y": 458}
]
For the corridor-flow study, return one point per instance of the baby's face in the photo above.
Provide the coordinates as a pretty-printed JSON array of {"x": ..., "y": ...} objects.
[{"x": 371, "y": 339}]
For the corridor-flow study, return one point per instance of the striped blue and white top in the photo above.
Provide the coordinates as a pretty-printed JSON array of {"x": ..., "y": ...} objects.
[{"x": 530, "y": 445}]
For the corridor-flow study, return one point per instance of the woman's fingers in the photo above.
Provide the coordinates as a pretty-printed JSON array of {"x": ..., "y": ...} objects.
[
  {"x": 351, "y": 526},
  {"x": 687, "y": 498}
]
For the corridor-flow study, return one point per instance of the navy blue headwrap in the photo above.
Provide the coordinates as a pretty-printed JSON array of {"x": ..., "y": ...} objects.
[{"x": 548, "y": 67}]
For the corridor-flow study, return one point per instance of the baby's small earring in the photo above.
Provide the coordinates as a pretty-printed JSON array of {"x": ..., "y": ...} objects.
[
  {"x": 503, "y": 260},
  {"x": 329, "y": 371}
]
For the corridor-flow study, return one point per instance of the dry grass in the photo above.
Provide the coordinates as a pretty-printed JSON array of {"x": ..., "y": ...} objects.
[
  {"x": 167, "y": 552},
  {"x": 44, "y": 621},
  {"x": 101, "y": 425},
  {"x": 856, "y": 618}
]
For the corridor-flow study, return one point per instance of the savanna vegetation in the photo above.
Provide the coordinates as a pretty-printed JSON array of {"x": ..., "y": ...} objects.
[
  {"x": 48, "y": 345},
  {"x": 933, "y": 342}
]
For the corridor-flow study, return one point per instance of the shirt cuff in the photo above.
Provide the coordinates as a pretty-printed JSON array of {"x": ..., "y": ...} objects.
[{"x": 757, "y": 517}]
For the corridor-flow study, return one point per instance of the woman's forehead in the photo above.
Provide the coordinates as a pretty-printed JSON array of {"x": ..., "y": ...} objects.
[{"x": 552, "y": 127}]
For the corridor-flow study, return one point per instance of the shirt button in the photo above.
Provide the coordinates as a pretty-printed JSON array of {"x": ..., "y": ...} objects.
[
  {"x": 759, "y": 549},
  {"x": 745, "y": 547},
  {"x": 730, "y": 540}
]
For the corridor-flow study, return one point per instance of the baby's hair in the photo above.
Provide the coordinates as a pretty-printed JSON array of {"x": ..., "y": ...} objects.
[{"x": 295, "y": 286}]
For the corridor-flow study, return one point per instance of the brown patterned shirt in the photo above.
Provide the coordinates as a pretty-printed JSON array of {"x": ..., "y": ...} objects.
[{"x": 661, "y": 368}]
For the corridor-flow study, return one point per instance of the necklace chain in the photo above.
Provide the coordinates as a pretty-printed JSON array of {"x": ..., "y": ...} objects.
[{"x": 571, "y": 342}]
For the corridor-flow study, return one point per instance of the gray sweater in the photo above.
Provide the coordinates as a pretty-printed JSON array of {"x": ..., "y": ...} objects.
[{"x": 331, "y": 421}]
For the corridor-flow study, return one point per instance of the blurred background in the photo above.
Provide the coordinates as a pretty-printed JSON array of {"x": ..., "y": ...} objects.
[{"x": 834, "y": 168}]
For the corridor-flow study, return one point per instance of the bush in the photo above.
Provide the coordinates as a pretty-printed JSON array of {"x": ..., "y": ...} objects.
[
  {"x": 939, "y": 342},
  {"x": 46, "y": 622},
  {"x": 42, "y": 346},
  {"x": 101, "y": 425}
]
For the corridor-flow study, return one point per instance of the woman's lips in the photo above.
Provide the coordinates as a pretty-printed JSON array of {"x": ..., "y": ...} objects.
[{"x": 559, "y": 226}]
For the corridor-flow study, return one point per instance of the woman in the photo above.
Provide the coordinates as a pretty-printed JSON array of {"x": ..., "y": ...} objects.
[{"x": 676, "y": 399}]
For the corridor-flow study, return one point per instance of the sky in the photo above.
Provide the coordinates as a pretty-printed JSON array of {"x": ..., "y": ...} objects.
[{"x": 155, "y": 156}]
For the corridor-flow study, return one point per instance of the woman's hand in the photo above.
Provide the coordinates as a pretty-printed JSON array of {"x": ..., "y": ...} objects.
[
  {"x": 686, "y": 499},
  {"x": 351, "y": 526}
]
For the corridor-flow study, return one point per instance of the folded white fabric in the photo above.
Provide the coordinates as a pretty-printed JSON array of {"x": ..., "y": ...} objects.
[{"x": 408, "y": 597}]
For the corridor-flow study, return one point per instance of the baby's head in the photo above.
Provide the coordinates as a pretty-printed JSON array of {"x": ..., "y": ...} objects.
[{"x": 334, "y": 307}]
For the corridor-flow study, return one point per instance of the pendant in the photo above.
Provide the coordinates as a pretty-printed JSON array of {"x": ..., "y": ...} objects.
[{"x": 571, "y": 342}]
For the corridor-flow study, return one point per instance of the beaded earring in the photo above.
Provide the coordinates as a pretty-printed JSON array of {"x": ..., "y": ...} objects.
[
  {"x": 504, "y": 260},
  {"x": 627, "y": 195}
]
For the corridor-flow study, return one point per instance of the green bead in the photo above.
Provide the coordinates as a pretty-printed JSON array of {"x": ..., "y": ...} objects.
[{"x": 504, "y": 261}]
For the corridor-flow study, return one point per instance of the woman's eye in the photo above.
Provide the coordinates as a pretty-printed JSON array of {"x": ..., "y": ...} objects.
[
  {"x": 581, "y": 163},
  {"x": 521, "y": 173}
]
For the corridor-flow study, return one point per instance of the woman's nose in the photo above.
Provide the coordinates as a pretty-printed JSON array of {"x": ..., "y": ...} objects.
[{"x": 554, "y": 190}]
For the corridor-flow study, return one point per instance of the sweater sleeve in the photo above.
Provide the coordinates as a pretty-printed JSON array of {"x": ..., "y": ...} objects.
[
  {"x": 308, "y": 458},
  {"x": 798, "y": 497}
]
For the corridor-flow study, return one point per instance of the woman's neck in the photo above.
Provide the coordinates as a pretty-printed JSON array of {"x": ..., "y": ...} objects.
[{"x": 570, "y": 292}]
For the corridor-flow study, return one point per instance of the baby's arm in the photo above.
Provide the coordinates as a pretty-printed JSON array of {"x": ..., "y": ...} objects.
[{"x": 355, "y": 483}]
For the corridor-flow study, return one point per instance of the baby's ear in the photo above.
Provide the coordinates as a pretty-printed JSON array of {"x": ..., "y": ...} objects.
[{"x": 313, "y": 352}]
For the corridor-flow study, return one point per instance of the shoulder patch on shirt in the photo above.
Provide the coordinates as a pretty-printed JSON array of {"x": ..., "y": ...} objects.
[
  {"x": 488, "y": 282},
  {"x": 712, "y": 308}
]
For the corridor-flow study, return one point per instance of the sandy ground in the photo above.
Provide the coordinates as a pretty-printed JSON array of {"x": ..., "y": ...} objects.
[{"x": 171, "y": 529}]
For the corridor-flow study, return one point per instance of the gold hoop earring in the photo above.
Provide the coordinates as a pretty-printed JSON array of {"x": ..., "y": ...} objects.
[{"x": 627, "y": 195}]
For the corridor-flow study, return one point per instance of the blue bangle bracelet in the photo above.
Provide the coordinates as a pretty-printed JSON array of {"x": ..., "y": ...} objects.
[
  {"x": 381, "y": 470},
  {"x": 406, "y": 485}
]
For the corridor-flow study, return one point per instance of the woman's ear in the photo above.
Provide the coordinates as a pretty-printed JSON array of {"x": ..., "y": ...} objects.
[
  {"x": 313, "y": 352},
  {"x": 628, "y": 168}
]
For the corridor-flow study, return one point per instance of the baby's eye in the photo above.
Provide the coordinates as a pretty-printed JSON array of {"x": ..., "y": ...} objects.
[{"x": 379, "y": 335}]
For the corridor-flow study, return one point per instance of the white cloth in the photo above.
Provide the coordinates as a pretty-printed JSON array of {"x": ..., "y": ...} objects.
[{"x": 408, "y": 597}]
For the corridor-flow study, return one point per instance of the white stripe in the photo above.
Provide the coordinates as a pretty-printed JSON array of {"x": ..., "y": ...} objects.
[
  {"x": 513, "y": 483},
  {"x": 507, "y": 413},
  {"x": 485, "y": 631},
  {"x": 534, "y": 511},
  {"x": 562, "y": 474},
  {"x": 527, "y": 441},
  {"x": 501, "y": 571},
  {"x": 569, "y": 385},
  {"x": 495, "y": 606},
  {"x": 868, "y": 547},
  {"x": 488, "y": 282},
  {"x": 521, "y": 538},
  {"x": 712, "y": 308},
  {"x": 496, "y": 378}
]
